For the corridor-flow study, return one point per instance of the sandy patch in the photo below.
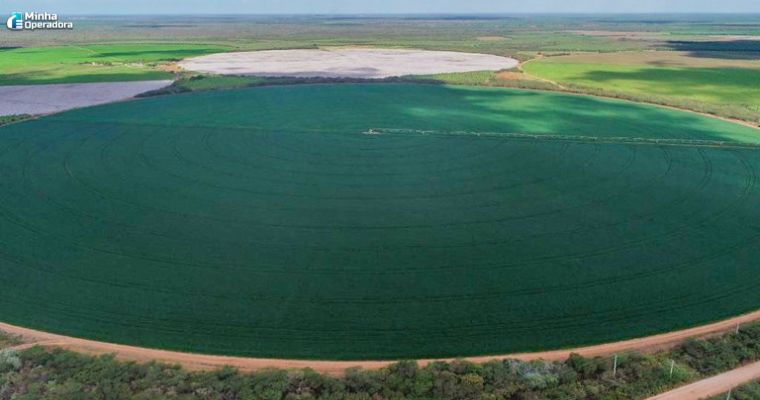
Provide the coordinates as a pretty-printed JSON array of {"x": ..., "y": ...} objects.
[
  {"x": 46, "y": 99},
  {"x": 345, "y": 63},
  {"x": 195, "y": 362}
]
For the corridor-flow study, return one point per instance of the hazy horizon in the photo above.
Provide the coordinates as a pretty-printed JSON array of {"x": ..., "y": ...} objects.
[{"x": 388, "y": 7}]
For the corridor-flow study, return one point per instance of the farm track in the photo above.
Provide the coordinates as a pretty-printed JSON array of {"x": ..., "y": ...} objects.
[{"x": 203, "y": 362}]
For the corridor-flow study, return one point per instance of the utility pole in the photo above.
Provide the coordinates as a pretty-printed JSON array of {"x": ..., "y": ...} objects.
[
  {"x": 614, "y": 366},
  {"x": 672, "y": 367},
  {"x": 728, "y": 396}
]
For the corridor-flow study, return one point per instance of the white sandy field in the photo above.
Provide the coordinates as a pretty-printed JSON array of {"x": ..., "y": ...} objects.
[
  {"x": 345, "y": 63},
  {"x": 46, "y": 99}
]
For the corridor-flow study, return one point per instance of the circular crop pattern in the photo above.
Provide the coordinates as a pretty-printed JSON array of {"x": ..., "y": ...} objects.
[{"x": 376, "y": 221}]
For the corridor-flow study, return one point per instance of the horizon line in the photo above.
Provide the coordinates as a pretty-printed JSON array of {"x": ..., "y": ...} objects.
[{"x": 485, "y": 13}]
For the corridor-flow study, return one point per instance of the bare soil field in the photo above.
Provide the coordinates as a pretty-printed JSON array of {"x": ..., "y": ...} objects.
[
  {"x": 196, "y": 362},
  {"x": 46, "y": 99},
  {"x": 345, "y": 63}
]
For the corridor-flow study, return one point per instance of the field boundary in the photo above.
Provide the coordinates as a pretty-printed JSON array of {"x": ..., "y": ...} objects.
[{"x": 205, "y": 362}]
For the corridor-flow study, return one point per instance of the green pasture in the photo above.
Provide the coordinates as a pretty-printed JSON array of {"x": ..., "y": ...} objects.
[
  {"x": 724, "y": 86},
  {"x": 269, "y": 222},
  {"x": 93, "y": 63}
]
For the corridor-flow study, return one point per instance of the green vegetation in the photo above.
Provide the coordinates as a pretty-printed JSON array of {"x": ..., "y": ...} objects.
[
  {"x": 203, "y": 82},
  {"x": 58, "y": 374},
  {"x": 9, "y": 119},
  {"x": 93, "y": 63},
  {"x": 750, "y": 391},
  {"x": 267, "y": 222},
  {"x": 136, "y": 47},
  {"x": 7, "y": 340},
  {"x": 709, "y": 85},
  {"x": 484, "y": 78},
  {"x": 731, "y": 92},
  {"x": 122, "y": 49},
  {"x": 489, "y": 34},
  {"x": 478, "y": 78}
]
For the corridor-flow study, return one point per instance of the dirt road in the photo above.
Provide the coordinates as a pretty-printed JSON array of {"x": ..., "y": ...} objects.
[
  {"x": 713, "y": 386},
  {"x": 196, "y": 362}
]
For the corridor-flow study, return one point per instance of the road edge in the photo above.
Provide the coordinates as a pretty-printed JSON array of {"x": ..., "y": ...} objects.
[{"x": 205, "y": 362}]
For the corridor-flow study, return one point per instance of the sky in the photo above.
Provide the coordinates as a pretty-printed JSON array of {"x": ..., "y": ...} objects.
[{"x": 382, "y": 6}]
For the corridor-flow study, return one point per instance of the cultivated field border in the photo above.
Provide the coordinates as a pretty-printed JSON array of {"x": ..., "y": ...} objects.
[{"x": 204, "y": 362}]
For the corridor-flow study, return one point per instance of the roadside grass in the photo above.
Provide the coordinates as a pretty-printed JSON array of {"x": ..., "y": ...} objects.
[
  {"x": 7, "y": 340},
  {"x": 93, "y": 63}
]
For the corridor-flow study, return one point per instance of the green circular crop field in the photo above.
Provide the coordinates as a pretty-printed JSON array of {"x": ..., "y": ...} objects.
[{"x": 376, "y": 221}]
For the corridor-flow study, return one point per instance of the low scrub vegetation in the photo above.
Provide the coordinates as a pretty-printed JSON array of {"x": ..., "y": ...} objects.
[
  {"x": 750, "y": 391},
  {"x": 8, "y": 119},
  {"x": 7, "y": 340},
  {"x": 200, "y": 82},
  {"x": 58, "y": 374}
]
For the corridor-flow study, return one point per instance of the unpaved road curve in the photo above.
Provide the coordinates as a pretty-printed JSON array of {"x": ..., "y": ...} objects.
[
  {"x": 46, "y": 99},
  {"x": 196, "y": 362},
  {"x": 713, "y": 386}
]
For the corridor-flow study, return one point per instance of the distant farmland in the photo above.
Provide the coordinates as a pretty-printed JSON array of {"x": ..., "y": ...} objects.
[
  {"x": 726, "y": 87},
  {"x": 376, "y": 221}
]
